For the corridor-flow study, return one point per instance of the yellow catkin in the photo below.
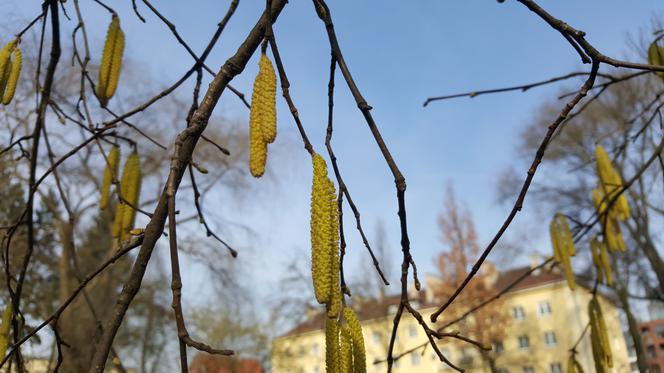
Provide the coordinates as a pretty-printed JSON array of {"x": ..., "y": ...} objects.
[
  {"x": 110, "y": 173},
  {"x": 111, "y": 61},
  {"x": 4, "y": 79},
  {"x": 346, "y": 350},
  {"x": 599, "y": 337},
  {"x": 595, "y": 250},
  {"x": 5, "y": 61},
  {"x": 563, "y": 246},
  {"x": 606, "y": 266},
  {"x": 334, "y": 304},
  {"x": 610, "y": 226},
  {"x": 130, "y": 189},
  {"x": 332, "y": 347},
  {"x": 321, "y": 231},
  {"x": 656, "y": 57},
  {"x": 267, "y": 95},
  {"x": 5, "y": 328},
  {"x": 611, "y": 183},
  {"x": 359, "y": 355},
  {"x": 12, "y": 73}
]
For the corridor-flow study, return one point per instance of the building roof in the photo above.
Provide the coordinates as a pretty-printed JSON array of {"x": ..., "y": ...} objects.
[
  {"x": 372, "y": 309},
  {"x": 206, "y": 363}
]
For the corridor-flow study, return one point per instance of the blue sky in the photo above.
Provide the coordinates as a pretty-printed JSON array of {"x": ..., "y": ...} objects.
[{"x": 400, "y": 53}]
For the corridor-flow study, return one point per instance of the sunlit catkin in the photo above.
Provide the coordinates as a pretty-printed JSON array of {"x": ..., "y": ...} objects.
[
  {"x": 110, "y": 173},
  {"x": 321, "y": 231},
  {"x": 334, "y": 304},
  {"x": 563, "y": 246},
  {"x": 612, "y": 185},
  {"x": 13, "y": 72},
  {"x": 130, "y": 189},
  {"x": 332, "y": 358},
  {"x": 656, "y": 57},
  {"x": 5, "y": 328},
  {"x": 5, "y": 63},
  {"x": 266, "y": 84},
  {"x": 609, "y": 223},
  {"x": 355, "y": 328},
  {"x": 599, "y": 337},
  {"x": 111, "y": 61},
  {"x": 346, "y": 351}
]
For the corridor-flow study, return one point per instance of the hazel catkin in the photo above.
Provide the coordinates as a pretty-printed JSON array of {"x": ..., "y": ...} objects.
[
  {"x": 563, "y": 246},
  {"x": 322, "y": 232},
  {"x": 5, "y": 328},
  {"x": 656, "y": 58},
  {"x": 111, "y": 61},
  {"x": 332, "y": 353},
  {"x": 11, "y": 75},
  {"x": 110, "y": 173},
  {"x": 263, "y": 116},
  {"x": 612, "y": 185},
  {"x": 130, "y": 189},
  {"x": 359, "y": 353}
]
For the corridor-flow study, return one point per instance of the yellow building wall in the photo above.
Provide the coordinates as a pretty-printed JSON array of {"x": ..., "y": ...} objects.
[{"x": 305, "y": 353}]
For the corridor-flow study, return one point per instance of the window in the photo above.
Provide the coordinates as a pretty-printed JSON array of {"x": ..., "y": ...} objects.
[
  {"x": 412, "y": 331},
  {"x": 498, "y": 347},
  {"x": 659, "y": 329},
  {"x": 314, "y": 349},
  {"x": 316, "y": 370},
  {"x": 377, "y": 337},
  {"x": 518, "y": 313},
  {"x": 415, "y": 359},
  {"x": 650, "y": 350},
  {"x": 302, "y": 351},
  {"x": 524, "y": 342},
  {"x": 446, "y": 352},
  {"x": 550, "y": 338},
  {"x": 544, "y": 308},
  {"x": 528, "y": 370},
  {"x": 555, "y": 368}
]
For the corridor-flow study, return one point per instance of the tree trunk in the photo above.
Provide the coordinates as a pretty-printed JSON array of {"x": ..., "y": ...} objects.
[{"x": 633, "y": 328}]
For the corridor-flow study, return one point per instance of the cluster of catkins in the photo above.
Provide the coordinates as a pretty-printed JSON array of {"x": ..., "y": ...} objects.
[
  {"x": 11, "y": 60},
  {"x": 111, "y": 61},
  {"x": 599, "y": 338},
  {"x": 610, "y": 208},
  {"x": 344, "y": 344},
  {"x": 263, "y": 116},
  {"x": 130, "y": 189}
]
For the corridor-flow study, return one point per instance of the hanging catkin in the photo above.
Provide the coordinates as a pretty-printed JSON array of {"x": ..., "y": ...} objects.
[
  {"x": 130, "y": 189},
  {"x": 346, "y": 350},
  {"x": 599, "y": 337},
  {"x": 573, "y": 365},
  {"x": 610, "y": 226},
  {"x": 563, "y": 246},
  {"x": 110, "y": 173},
  {"x": 611, "y": 183},
  {"x": 263, "y": 116},
  {"x": 355, "y": 328},
  {"x": 332, "y": 348},
  {"x": 5, "y": 328},
  {"x": 656, "y": 57},
  {"x": 334, "y": 304},
  {"x": 111, "y": 61},
  {"x": 601, "y": 261},
  {"x": 11, "y": 74},
  {"x": 324, "y": 234}
]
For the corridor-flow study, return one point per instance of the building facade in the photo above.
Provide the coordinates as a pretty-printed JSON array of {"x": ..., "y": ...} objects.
[
  {"x": 544, "y": 319},
  {"x": 652, "y": 335}
]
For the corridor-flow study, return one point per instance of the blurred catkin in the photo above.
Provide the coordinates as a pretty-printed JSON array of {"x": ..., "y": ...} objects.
[
  {"x": 111, "y": 61},
  {"x": 110, "y": 172}
]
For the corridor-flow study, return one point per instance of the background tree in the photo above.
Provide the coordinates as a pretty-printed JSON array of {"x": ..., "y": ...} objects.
[{"x": 459, "y": 238}]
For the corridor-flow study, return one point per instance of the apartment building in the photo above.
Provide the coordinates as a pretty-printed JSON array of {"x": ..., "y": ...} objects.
[{"x": 544, "y": 320}]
